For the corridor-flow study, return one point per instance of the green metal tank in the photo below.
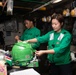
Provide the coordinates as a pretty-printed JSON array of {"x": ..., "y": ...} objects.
[{"x": 22, "y": 53}]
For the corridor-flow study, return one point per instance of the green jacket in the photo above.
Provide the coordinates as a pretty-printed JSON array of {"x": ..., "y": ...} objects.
[
  {"x": 30, "y": 34},
  {"x": 60, "y": 42}
]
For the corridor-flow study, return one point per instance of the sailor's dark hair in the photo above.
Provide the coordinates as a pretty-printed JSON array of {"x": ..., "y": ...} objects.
[
  {"x": 30, "y": 18},
  {"x": 59, "y": 17}
]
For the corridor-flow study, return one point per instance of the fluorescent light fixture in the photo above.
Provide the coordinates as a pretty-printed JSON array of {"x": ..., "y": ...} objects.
[{"x": 56, "y": 1}]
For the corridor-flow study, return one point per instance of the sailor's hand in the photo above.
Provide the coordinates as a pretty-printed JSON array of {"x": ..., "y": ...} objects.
[
  {"x": 17, "y": 37},
  {"x": 26, "y": 41},
  {"x": 39, "y": 53}
]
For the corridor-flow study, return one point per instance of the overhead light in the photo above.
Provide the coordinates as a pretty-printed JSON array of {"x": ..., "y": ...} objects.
[
  {"x": 44, "y": 19},
  {"x": 0, "y": 3},
  {"x": 48, "y": 19},
  {"x": 56, "y": 1}
]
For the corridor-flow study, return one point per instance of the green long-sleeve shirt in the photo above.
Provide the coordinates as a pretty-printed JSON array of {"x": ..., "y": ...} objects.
[
  {"x": 30, "y": 34},
  {"x": 60, "y": 43}
]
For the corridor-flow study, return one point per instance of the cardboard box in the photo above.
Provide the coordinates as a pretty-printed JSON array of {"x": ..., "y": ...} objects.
[{"x": 25, "y": 72}]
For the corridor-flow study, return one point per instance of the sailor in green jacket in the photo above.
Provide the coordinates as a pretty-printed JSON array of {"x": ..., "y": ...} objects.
[
  {"x": 30, "y": 33},
  {"x": 58, "y": 51}
]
